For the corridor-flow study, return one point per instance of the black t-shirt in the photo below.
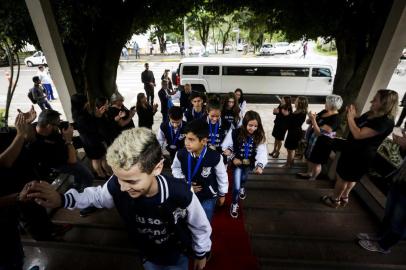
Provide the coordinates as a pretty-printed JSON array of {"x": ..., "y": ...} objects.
[
  {"x": 382, "y": 124},
  {"x": 145, "y": 116},
  {"x": 331, "y": 121},
  {"x": 48, "y": 152}
]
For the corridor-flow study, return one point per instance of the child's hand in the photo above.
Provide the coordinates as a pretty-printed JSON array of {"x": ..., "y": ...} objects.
[
  {"x": 221, "y": 200},
  {"x": 237, "y": 162},
  {"x": 199, "y": 264},
  {"x": 258, "y": 170},
  {"x": 227, "y": 152},
  {"x": 196, "y": 188}
]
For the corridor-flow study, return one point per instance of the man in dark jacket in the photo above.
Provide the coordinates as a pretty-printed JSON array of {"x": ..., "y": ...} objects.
[{"x": 148, "y": 79}]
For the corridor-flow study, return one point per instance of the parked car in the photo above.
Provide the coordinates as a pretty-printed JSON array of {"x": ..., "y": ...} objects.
[
  {"x": 172, "y": 48},
  {"x": 38, "y": 58},
  {"x": 240, "y": 47},
  {"x": 295, "y": 46},
  {"x": 265, "y": 49},
  {"x": 280, "y": 48}
]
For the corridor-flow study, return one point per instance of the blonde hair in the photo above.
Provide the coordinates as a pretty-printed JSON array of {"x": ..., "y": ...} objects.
[
  {"x": 135, "y": 146},
  {"x": 389, "y": 100},
  {"x": 302, "y": 104}
]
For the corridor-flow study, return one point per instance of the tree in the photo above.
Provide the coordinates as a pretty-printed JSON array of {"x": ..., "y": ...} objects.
[
  {"x": 15, "y": 31},
  {"x": 225, "y": 28},
  {"x": 162, "y": 28},
  {"x": 356, "y": 26},
  {"x": 93, "y": 33},
  {"x": 201, "y": 20}
]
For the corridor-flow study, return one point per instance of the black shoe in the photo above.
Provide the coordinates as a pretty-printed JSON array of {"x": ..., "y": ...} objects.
[{"x": 87, "y": 211}]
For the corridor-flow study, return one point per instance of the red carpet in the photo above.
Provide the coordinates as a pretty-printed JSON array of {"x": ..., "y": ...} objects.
[{"x": 231, "y": 244}]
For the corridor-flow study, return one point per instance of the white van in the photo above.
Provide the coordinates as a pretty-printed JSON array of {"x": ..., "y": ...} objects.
[{"x": 256, "y": 76}]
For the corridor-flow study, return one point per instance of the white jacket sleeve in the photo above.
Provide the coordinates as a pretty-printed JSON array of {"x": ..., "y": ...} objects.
[
  {"x": 228, "y": 142},
  {"x": 176, "y": 168},
  {"x": 222, "y": 177},
  {"x": 99, "y": 197},
  {"x": 261, "y": 158},
  {"x": 160, "y": 136},
  {"x": 200, "y": 228}
]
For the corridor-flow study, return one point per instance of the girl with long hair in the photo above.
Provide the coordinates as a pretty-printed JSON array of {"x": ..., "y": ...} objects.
[
  {"x": 231, "y": 110},
  {"x": 295, "y": 133},
  {"x": 282, "y": 113},
  {"x": 247, "y": 147}
]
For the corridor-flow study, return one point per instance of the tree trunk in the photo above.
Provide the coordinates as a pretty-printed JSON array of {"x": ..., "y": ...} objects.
[{"x": 12, "y": 83}]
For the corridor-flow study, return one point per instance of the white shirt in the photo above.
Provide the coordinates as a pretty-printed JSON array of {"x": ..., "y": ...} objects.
[{"x": 44, "y": 77}]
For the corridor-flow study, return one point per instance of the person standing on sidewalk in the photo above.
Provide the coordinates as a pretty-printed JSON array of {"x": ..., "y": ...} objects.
[
  {"x": 403, "y": 113},
  {"x": 46, "y": 82},
  {"x": 136, "y": 49},
  {"x": 38, "y": 94},
  {"x": 148, "y": 79}
]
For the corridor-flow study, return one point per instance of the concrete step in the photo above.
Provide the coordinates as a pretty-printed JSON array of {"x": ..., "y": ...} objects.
[
  {"x": 283, "y": 181},
  {"x": 310, "y": 223},
  {"x": 323, "y": 251},
  {"x": 67, "y": 256},
  {"x": 294, "y": 199},
  {"x": 102, "y": 218}
]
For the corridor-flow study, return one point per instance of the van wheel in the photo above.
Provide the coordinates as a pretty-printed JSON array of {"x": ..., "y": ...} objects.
[
  {"x": 30, "y": 64},
  {"x": 287, "y": 52}
]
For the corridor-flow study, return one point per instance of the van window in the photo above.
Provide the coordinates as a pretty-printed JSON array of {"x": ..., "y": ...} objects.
[
  {"x": 266, "y": 71},
  {"x": 211, "y": 70},
  {"x": 190, "y": 70},
  {"x": 321, "y": 72}
]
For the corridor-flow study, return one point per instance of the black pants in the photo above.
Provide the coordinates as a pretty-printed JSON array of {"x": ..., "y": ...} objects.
[{"x": 150, "y": 95}]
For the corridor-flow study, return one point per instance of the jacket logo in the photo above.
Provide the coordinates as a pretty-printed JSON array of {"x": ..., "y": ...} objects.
[
  {"x": 206, "y": 171},
  {"x": 179, "y": 213}
]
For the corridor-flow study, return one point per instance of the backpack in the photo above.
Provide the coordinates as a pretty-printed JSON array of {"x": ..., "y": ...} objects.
[{"x": 31, "y": 96}]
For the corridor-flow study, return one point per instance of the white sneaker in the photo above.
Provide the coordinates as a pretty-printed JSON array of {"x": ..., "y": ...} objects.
[
  {"x": 372, "y": 246},
  {"x": 368, "y": 236},
  {"x": 242, "y": 194},
  {"x": 234, "y": 210}
]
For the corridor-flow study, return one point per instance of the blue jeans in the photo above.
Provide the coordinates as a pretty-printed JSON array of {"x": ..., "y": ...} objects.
[
  {"x": 48, "y": 90},
  {"x": 240, "y": 177},
  {"x": 394, "y": 221},
  {"x": 82, "y": 174},
  {"x": 181, "y": 264},
  {"x": 208, "y": 207},
  {"x": 44, "y": 105}
]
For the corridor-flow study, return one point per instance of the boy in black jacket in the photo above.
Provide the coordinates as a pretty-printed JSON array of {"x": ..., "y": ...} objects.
[
  {"x": 201, "y": 167},
  {"x": 172, "y": 132},
  {"x": 163, "y": 216}
]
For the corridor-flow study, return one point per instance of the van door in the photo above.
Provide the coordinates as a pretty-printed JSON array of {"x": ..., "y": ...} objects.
[
  {"x": 211, "y": 73},
  {"x": 320, "y": 82}
]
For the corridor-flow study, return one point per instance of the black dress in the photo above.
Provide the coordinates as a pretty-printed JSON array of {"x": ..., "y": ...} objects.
[
  {"x": 319, "y": 147},
  {"x": 281, "y": 124},
  {"x": 145, "y": 116},
  {"x": 358, "y": 155},
  {"x": 295, "y": 132}
]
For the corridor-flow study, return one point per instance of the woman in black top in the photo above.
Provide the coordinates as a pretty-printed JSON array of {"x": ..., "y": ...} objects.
[
  {"x": 119, "y": 114},
  {"x": 145, "y": 111},
  {"x": 295, "y": 133},
  {"x": 366, "y": 134},
  {"x": 281, "y": 124},
  {"x": 231, "y": 110},
  {"x": 319, "y": 136}
]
